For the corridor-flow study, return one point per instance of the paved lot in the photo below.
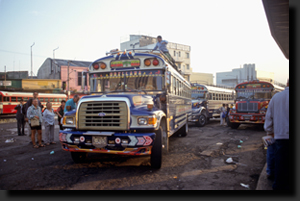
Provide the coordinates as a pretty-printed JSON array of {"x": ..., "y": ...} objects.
[{"x": 194, "y": 162}]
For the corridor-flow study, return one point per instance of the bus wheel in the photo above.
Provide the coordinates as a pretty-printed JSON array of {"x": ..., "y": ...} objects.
[
  {"x": 156, "y": 151},
  {"x": 234, "y": 125},
  {"x": 79, "y": 157},
  {"x": 202, "y": 120}
]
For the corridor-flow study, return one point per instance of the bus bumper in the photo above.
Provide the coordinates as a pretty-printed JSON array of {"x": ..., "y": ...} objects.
[
  {"x": 99, "y": 142},
  {"x": 247, "y": 118}
]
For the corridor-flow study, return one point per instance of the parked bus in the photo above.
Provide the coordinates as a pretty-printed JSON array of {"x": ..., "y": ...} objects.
[
  {"x": 138, "y": 100},
  {"x": 207, "y": 101},
  {"x": 9, "y": 100},
  {"x": 252, "y": 99}
]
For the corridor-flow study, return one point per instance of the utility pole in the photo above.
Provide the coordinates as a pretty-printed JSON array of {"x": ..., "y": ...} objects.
[
  {"x": 5, "y": 77},
  {"x": 68, "y": 81},
  {"x": 31, "y": 59}
]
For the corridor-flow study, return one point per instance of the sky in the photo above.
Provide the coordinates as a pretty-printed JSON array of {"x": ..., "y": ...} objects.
[{"x": 222, "y": 34}]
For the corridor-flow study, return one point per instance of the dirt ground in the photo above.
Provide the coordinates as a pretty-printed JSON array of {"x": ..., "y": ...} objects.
[{"x": 194, "y": 162}]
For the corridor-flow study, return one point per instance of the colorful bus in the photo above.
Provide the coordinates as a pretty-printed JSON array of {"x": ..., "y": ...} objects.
[
  {"x": 207, "y": 101},
  {"x": 252, "y": 99},
  {"x": 9, "y": 100},
  {"x": 138, "y": 100}
]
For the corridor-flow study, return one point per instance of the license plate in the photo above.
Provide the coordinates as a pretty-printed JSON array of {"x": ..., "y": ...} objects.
[
  {"x": 99, "y": 141},
  {"x": 247, "y": 117}
]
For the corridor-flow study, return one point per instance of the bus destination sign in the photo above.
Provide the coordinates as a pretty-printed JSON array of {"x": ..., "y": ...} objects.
[{"x": 125, "y": 63}]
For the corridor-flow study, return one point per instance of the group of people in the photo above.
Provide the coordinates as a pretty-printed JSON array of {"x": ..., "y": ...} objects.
[
  {"x": 224, "y": 111},
  {"x": 33, "y": 113}
]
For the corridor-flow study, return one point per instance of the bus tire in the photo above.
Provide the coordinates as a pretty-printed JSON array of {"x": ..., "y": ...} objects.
[
  {"x": 79, "y": 157},
  {"x": 202, "y": 120},
  {"x": 156, "y": 151},
  {"x": 234, "y": 125}
]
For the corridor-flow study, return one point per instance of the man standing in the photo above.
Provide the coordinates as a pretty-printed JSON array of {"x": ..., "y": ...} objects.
[
  {"x": 162, "y": 46},
  {"x": 72, "y": 103},
  {"x": 277, "y": 126},
  {"x": 20, "y": 117}
]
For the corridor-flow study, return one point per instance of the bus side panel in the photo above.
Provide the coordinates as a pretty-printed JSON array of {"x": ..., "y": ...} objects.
[{"x": 179, "y": 109}]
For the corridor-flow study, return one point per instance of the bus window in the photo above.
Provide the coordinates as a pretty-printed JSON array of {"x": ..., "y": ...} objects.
[
  {"x": 47, "y": 100},
  {"x": 13, "y": 99},
  {"x": 55, "y": 99},
  {"x": 51, "y": 100},
  {"x": 19, "y": 99},
  {"x": 25, "y": 99},
  {"x": 5, "y": 99},
  {"x": 60, "y": 99},
  {"x": 174, "y": 85},
  {"x": 0, "y": 98}
]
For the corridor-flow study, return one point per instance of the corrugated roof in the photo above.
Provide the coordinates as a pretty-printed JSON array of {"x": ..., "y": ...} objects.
[{"x": 62, "y": 62}]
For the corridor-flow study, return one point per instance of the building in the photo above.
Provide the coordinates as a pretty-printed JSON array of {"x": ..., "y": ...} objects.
[
  {"x": 180, "y": 53},
  {"x": 42, "y": 85},
  {"x": 202, "y": 78},
  {"x": 14, "y": 75},
  {"x": 237, "y": 75},
  {"x": 69, "y": 73},
  {"x": 265, "y": 76}
]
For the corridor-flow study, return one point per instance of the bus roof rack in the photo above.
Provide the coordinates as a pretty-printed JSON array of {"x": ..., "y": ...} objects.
[{"x": 156, "y": 52}]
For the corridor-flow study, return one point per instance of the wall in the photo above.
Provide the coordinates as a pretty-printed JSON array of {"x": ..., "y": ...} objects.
[
  {"x": 73, "y": 76},
  {"x": 202, "y": 78},
  {"x": 48, "y": 70},
  {"x": 41, "y": 84}
]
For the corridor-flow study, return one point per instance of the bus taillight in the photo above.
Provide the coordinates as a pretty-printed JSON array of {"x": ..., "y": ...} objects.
[{"x": 102, "y": 65}]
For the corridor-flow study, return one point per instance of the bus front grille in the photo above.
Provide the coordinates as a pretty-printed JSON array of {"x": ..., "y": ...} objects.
[
  {"x": 247, "y": 107},
  {"x": 103, "y": 116}
]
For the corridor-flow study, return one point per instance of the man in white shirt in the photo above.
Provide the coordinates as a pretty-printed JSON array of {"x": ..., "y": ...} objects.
[{"x": 277, "y": 126}]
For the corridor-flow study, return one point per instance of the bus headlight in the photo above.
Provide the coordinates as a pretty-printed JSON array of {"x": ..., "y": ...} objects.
[
  {"x": 262, "y": 112},
  {"x": 150, "y": 120},
  {"x": 69, "y": 121}
]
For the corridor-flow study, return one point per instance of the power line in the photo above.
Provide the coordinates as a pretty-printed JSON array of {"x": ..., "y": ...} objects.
[{"x": 22, "y": 53}]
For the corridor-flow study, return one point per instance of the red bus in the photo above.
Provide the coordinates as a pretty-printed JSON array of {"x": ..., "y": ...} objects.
[
  {"x": 9, "y": 100},
  {"x": 251, "y": 103}
]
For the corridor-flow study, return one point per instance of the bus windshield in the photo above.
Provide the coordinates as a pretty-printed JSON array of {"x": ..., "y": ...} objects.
[
  {"x": 146, "y": 80},
  {"x": 198, "y": 96},
  {"x": 254, "y": 95}
]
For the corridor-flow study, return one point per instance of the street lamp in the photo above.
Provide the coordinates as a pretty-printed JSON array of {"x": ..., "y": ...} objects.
[
  {"x": 31, "y": 59},
  {"x": 53, "y": 52},
  {"x": 69, "y": 77},
  {"x": 133, "y": 45}
]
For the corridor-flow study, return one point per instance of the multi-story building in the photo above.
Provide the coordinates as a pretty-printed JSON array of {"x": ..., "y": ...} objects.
[
  {"x": 237, "y": 75},
  {"x": 69, "y": 72},
  {"x": 180, "y": 53}
]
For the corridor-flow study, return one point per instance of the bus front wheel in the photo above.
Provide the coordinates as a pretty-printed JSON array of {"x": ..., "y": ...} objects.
[
  {"x": 156, "y": 152},
  {"x": 202, "y": 120}
]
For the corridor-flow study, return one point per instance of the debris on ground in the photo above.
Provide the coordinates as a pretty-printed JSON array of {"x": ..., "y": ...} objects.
[
  {"x": 52, "y": 152},
  {"x": 239, "y": 146},
  {"x": 245, "y": 185},
  {"x": 32, "y": 159},
  {"x": 175, "y": 177},
  {"x": 229, "y": 160},
  {"x": 9, "y": 140},
  {"x": 241, "y": 141},
  {"x": 4, "y": 160},
  {"x": 219, "y": 143}
]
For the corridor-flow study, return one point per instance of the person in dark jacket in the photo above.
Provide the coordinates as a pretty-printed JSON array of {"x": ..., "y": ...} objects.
[
  {"x": 20, "y": 116},
  {"x": 60, "y": 113}
]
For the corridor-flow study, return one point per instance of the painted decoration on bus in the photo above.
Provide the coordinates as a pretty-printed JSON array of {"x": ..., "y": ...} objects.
[
  {"x": 125, "y": 63},
  {"x": 147, "y": 73},
  {"x": 197, "y": 88},
  {"x": 182, "y": 109},
  {"x": 254, "y": 86},
  {"x": 254, "y": 90}
]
